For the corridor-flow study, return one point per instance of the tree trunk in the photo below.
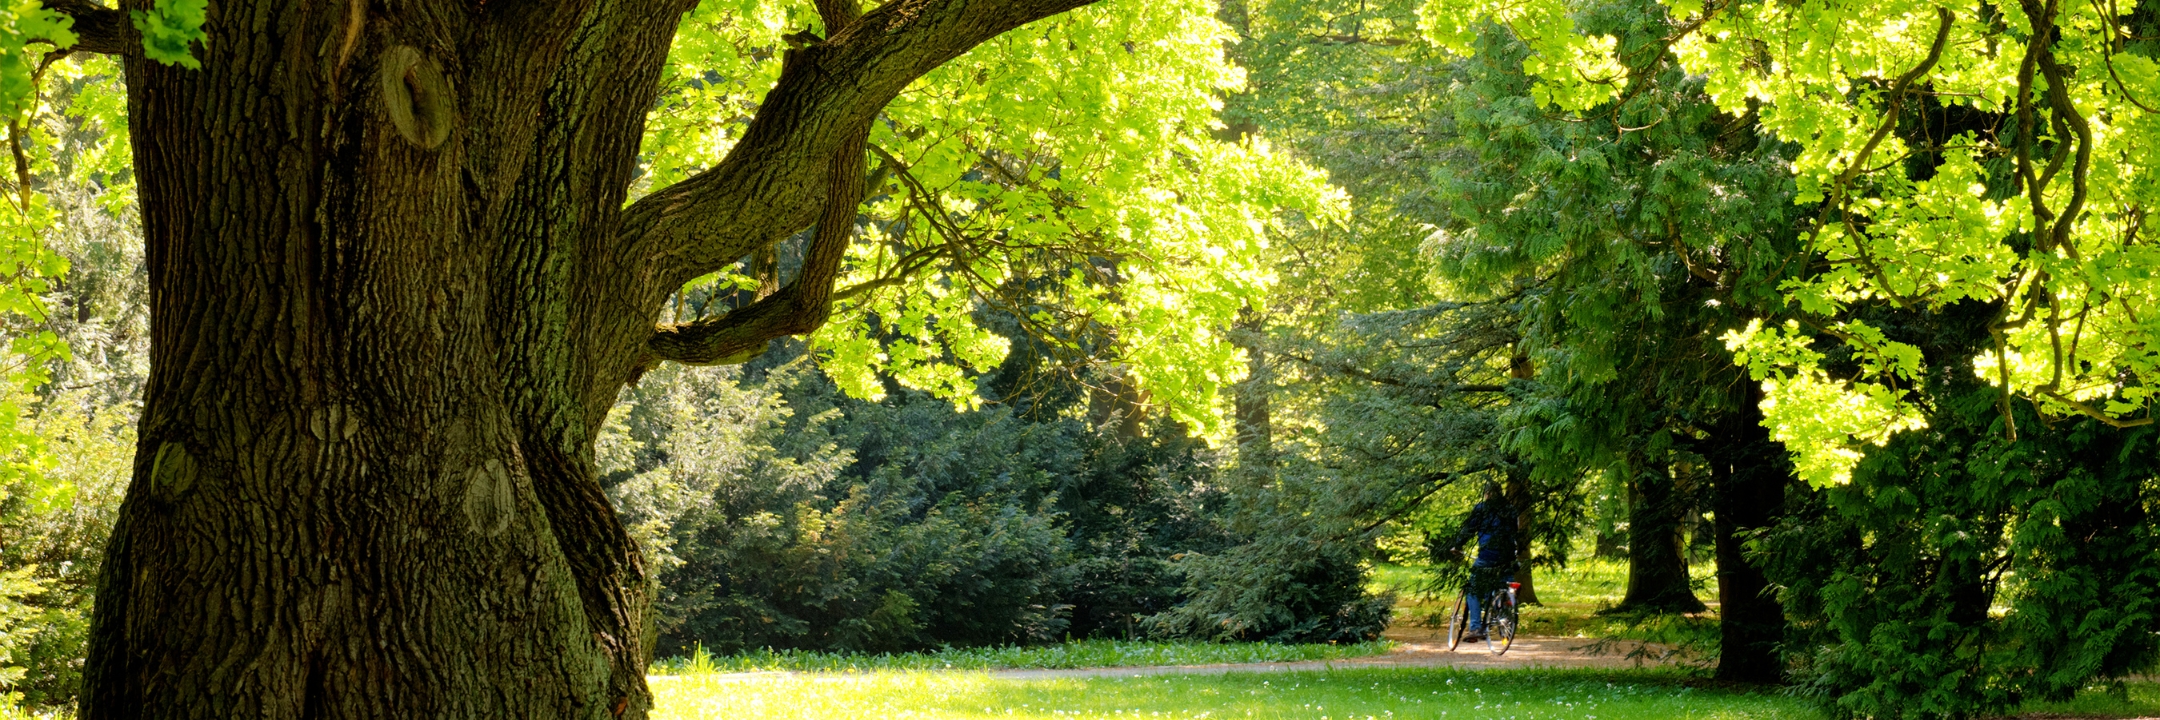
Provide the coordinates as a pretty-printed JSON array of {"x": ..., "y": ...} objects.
[
  {"x": 1116, "y": 400},
  {"x": 395, "y": 289},
  {"x": 1255, "y": 426},
  {"x": 1750, "y": 472},
  {"x": 1519, "y": 496},
  {"x": 1521, "y": 368},
  {"x": 1657, "y": 558}
]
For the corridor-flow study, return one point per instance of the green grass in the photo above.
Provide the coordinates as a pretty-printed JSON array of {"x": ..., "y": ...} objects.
[
  {"x": 1328, "y": 695},
  {"x": 1074, "y": 654},
  {"x": 2136, "y": 699}
]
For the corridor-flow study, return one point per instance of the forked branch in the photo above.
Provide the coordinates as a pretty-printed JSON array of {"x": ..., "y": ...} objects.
[
  {"x": 803, "y": 305},
  {"x": 769, "y": 185}
]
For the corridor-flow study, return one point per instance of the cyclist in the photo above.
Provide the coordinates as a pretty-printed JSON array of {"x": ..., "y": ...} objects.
[{"x": 1493, "y": 523}]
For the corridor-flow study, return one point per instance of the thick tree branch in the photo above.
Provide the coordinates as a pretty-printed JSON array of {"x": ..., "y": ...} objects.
[
  {"x": 838, "y": 14},
  {"x": 801, "y": 308},
  {"x": 99, "y": 29},
  {"x": 771, "y": 183}
]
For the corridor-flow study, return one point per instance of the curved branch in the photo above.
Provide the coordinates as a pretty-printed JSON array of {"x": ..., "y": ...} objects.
[
  {"x": 769, "y": 185},
  {"x": 804, "y": 305},
  {"x": 2066, "y": 112},
  {"x": 2104, "y": 418},
  {"x": 1897, "y": 97},
  {"x": 1897, "y": 92}
]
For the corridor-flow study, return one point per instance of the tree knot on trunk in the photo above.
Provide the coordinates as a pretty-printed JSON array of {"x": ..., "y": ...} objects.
[
  {"x": 172, "y": 471},
  {"x": 417, "y": 96},
  {"x": 333, "y": 423},
  {"x": 490, "y": 498}
]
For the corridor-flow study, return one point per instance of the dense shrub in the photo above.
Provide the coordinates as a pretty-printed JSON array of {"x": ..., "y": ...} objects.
[
  {"x": 53, "y": 527},
  {"x": 767, "y": 531},
  {"x": 1296, "y": 590},
  {"x": 1962, "y": 571},
  {"x": 780, "y": 514}
]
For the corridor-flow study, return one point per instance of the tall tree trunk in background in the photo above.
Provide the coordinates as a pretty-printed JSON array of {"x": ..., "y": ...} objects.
[
  {"x": 1519, "y": 495},
  {"x": 1750, "y": 473},
  {"x": 1657, "y": 555},
  {"x": 1518, "y": 492},
  {"x": 395, "y": 290},
  {"x": 1255, "y": 427},
  {"x": 1113, "y": 399}
]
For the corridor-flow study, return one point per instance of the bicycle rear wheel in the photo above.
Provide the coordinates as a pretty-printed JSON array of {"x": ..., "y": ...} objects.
[
  {"x": 1500, "y": 622},
  {"x": 1458, "y": 616}
]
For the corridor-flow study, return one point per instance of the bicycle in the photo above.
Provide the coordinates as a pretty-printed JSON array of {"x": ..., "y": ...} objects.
[{"x": 1500, "y": 616}]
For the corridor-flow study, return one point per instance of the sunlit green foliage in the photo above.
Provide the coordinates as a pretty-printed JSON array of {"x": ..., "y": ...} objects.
[
  {"x": 169, "y": 27},
  {"x": 1066, "y": 175},
  {"x": 52, "y": 538},
  {"x": 1960, "y": 572},
  {"x": 1965, "y": 152}
]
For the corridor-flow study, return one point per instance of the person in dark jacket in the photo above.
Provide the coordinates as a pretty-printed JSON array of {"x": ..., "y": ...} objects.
[{"x": 1492, "y": 522}]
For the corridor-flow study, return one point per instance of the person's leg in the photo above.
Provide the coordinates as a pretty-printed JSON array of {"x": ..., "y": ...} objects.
[{"x": 1477, "y": 588}]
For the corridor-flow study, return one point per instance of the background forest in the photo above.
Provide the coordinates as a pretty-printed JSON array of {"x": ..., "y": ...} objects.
[{"x": 1467, "y": 268}]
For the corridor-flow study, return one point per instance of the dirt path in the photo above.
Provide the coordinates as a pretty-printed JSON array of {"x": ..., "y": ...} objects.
[{"x": 1414, "y": 647}]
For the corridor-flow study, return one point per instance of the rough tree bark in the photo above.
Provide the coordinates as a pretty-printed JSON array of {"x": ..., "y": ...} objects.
[
  {"x": 1519, "y": 494},
  {"x": 1657, "y": 557},
  {"x": 1254, "y": 409},
  {"x": 1749, "y": 472},
  {"x": 395, "y": 289}
]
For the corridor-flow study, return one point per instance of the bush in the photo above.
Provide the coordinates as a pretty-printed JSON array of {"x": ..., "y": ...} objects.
[
  {"x": 798, "y": 525},
  {"x": 781, "y": 515},
  {"x": 53, "y": 527},
  {"x": 1962, "y": 572},
  {"x": 1296, "y": 590}
]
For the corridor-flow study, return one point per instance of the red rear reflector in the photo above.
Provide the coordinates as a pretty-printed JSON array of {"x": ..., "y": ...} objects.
[{"x": 1514, "y": 586}]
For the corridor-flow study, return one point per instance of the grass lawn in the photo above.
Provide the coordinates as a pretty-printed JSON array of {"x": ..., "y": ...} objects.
[
  {"x": 2142, "y": 700},
  {"x": 1329, "y": 695}
]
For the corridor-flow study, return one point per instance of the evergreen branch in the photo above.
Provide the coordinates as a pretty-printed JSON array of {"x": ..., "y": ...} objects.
[{"x": 1346, "y": 369}]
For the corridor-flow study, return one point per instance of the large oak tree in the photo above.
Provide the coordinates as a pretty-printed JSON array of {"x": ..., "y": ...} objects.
[{"x": 397, "y": 281}]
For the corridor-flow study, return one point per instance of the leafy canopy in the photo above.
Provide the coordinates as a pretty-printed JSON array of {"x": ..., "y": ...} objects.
[
  {"x": 1065, "y": 173},
  {"x": 1952, "y": 152}
]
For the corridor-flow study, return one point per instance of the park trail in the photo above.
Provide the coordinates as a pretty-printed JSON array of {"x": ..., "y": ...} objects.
[{"x": 1415, "y": 647}]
